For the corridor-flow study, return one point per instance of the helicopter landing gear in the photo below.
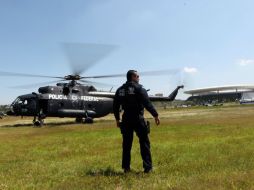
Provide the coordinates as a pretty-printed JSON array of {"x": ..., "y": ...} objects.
[
  {"x": 88, "y": 120},
  {"x": 39, "y": 122},
  {"x": 84, "y": 120}
]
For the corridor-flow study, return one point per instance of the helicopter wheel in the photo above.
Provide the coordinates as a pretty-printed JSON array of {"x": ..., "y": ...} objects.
[
  {"x": 38, "y": 123},
  {"x": 88, "y": 120}
]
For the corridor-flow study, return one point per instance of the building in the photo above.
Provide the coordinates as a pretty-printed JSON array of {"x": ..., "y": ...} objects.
[{"x": 230, "y": 93}]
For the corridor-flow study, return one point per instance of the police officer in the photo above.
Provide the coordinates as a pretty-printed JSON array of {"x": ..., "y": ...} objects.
[{"x": 133, "y": 98}]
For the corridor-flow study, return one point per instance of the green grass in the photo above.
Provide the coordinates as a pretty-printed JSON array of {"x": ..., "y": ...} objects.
[{"x": 206, "y": 148}]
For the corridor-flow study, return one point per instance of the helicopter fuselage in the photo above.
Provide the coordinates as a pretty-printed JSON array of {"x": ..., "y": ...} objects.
[
  {"x": 81, "y": 102},
  {"x": 62, "y": 101}
]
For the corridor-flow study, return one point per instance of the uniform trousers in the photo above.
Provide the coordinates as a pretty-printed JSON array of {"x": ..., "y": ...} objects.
[{"x": 127, "y": 129}]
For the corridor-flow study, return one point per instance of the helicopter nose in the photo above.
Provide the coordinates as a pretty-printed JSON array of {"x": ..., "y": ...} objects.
[
  {"x": 15, "y": 109},
  {"x": 10, "y": 112}
]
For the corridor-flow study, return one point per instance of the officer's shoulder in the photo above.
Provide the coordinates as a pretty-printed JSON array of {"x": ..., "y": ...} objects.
[
  {"x": 139, "y": 87},
  {"x": 122, "y": 86}
]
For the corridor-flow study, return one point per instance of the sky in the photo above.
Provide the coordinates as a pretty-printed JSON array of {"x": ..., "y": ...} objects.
[{"x": 210, "y": 42}]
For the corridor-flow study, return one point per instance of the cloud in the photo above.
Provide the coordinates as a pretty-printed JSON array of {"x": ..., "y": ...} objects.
[
  {"x": 245, "y": 62},
  {"x": 190, "y": 70}
]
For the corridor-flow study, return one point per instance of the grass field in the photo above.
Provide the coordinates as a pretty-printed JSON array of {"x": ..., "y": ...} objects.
[{"x": 193, "y": 148}]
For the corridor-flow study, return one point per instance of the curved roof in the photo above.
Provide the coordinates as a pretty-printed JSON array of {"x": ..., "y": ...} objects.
[{"x": 216, "y": 89}]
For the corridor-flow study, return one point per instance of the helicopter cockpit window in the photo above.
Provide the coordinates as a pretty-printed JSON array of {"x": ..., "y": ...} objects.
[
  {"x": 16, "y": 101},
  {"x": 25, "y": 102}
]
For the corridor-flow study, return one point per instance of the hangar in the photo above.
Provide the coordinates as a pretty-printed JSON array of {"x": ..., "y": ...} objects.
[{"x": 230, "y": 93}]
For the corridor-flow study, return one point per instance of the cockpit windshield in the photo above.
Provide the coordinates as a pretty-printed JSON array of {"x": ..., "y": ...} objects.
[{"x": 17, "y": 100}]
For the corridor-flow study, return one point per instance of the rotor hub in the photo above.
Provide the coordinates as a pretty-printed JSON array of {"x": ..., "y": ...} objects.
[{"x": 72, "y": 77}]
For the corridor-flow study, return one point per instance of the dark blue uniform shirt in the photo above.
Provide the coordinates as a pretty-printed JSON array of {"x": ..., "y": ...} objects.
[{"x": 133, "y": 98}]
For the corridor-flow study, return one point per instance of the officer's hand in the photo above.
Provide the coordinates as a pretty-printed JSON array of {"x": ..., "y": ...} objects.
[
  {"x": 157, "y": 120},
  {"x": 118, "y": 123}
]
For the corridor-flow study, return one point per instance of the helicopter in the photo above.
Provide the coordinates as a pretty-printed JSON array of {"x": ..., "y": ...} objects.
[{"x": 73, "y": 95}]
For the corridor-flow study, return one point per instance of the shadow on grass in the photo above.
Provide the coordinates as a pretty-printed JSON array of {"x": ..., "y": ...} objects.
[
  {"x": 104, "y": 172},
  {"x": 53, "y": 124},
  {"x": 46, "y": 124},
  {"x": 111, "y": 172}
]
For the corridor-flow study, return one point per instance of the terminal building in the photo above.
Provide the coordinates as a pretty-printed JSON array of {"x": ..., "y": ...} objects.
[{"x": 231, "y": 93}]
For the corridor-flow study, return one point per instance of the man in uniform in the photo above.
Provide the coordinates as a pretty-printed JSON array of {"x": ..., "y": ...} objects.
[{"x": 133, "y": 98}]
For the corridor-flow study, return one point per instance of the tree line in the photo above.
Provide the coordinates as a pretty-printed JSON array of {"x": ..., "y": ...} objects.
[{"x": 3, "y": 108}]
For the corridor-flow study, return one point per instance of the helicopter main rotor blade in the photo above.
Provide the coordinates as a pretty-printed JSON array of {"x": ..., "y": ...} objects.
[
  {"x": 146, "y": 73},
  {"x": 27, "y": 86},
  {"x": 82, "y": 56},
  {"x": 4, "y": 73},
  {"x": 96, "y": 83}
]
